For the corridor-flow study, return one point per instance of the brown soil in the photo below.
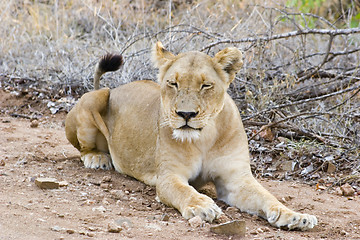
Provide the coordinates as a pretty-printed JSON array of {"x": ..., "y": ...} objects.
[{"x": 88, "y": 204}]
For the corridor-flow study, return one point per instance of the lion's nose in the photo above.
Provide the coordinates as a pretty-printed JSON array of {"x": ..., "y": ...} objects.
[{"x": 187, "y": 115}]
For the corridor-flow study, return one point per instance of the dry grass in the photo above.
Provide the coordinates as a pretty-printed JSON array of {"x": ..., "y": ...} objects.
[{"x": 59, "y": 42}]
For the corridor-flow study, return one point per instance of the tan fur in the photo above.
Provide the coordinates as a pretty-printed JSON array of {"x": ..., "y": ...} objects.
[{"x": 142, "y": 126}]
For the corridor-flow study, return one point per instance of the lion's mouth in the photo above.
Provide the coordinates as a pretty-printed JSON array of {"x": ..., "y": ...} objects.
[{"x": 187, "y": 127}]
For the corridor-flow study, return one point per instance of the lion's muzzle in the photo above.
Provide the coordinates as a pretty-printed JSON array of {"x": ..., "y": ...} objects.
[{"x": 187, "y": 115}]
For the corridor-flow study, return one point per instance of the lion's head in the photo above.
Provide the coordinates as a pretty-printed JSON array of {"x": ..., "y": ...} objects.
[{"x": 193, "y": 87}]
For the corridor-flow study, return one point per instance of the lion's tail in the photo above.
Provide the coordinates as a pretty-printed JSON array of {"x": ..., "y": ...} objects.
[{"x": 108, "y": 63}]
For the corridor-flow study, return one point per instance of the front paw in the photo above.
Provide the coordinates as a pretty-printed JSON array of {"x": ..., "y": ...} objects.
[
  {"x": 202, "y": 206},
  {"x": 97, "y": 160},
  {"x": 283, "y": 217}
]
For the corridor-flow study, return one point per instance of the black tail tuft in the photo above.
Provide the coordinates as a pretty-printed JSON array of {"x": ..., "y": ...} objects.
[{"x": 110, "y": 62}]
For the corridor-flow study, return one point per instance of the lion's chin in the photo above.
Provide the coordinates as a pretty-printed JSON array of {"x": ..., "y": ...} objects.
[{"x": 187, "y": 134}]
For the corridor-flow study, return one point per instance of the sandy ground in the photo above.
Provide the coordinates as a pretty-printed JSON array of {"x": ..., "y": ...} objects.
[{"x": 95, "y": 199}]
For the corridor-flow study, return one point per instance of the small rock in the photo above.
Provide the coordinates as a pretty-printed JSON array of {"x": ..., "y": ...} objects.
[
  {"x": 106, "y": 179},
  {"x": 347, "y": 190},
  {"x": 34, "y": 124},
  {"x": 56, "y": 228},
  {"x": 195, "y": 222},
  {"x": 90, "y": 234},
  {"x": 331, "y": 167},
  {"x": 254, "y": 232},
  {"x": 165, "y": 217},
  {"x": 47, "y": 183},
  {"x": 63, "y": 184},
  {"x": 230, "y": 228},
  {"x": 70, "y": 231},
  {"x": 2, "y": 163},
  {"x": 338, "y": 191},
  {"x": 119, "y": 195},
  {"x": 105, "y": 185},
  {"x": 114, "y": 228}
]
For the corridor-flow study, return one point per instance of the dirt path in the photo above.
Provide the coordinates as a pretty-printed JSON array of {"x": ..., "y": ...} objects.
[{"x": 93, "y": 199}]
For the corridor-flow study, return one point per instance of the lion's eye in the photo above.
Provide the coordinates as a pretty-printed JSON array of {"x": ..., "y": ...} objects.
[
  {"x": 206, "y": 86},
  {"x": 172, "y": 84}
]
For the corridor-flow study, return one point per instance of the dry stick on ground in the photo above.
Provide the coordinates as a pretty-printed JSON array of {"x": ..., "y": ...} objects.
[
  {"x": 302, "y": 101},
  {"x": 315, "y": 90},
  {"x": 278, "y": 123}
]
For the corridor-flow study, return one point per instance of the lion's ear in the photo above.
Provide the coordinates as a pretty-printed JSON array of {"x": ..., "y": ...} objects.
[
  {"x": 160, "y": 55},
  {"x": 230, "y": 60}
]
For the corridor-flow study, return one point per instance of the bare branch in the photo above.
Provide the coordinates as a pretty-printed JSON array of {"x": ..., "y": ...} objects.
[
  {"x": 302, "y": 101},
  {"x": 330, "y": 32}
]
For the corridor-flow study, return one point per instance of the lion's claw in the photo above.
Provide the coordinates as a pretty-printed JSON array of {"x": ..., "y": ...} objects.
[
  {"x": 281, "y": 217},
  {"x": 206, "y": 209},
  {"x": 97, "y": 160}
]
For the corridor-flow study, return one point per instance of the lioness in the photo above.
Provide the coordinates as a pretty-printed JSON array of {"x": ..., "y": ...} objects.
[{"x": 177, "y": 134}]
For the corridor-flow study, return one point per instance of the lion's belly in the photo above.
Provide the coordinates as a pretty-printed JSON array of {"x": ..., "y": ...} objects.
[{"x": 133, "y": 126}]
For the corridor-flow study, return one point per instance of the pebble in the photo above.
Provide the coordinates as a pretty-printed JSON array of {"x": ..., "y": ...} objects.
[
  {"x": 47, "y": 183},
  {"x": 331, "y": 168},
  {"x": 119, "y": 195},
  {"x": 56, "y": 228},
  {"x": 114, "y": 228},
  {"x": 63, "y": 184},
  {"x": 34, "y": 124},
  {"x": 195, "y": 222},
  {"x": 338, "y": 191},
  {"x": 2, "y": 162},
  {"x": 70, "y": 231},
  {"x": 92, "y": 229},
  {"x": 230, "y": 228},
  {"x": 106, "y": 179},
  {"x": 347, "y": 190},
  {"x": 105, "y": 185},
  {"x": 165, "y": 217}
]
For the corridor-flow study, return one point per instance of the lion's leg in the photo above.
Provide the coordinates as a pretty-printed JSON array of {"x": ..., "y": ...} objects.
[
  {"x": 86, "y": 130},
  {"x": 175, "y": 191},
  {"x": 236, "y": 186},
  {"x": 93, "y": 150}
]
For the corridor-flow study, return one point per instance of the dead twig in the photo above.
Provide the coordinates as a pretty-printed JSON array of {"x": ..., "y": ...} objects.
[
  {"x": 302, "y": 101},
  {"x": 331, "y": 32}
]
